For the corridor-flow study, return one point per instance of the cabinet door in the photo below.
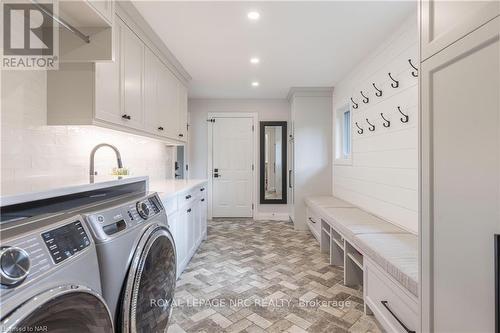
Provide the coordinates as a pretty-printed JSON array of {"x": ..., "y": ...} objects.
[
  {"x": 461, "y": 183},
  {"x": 183, "y": 116},
  {"x": 444, "y": 22},
  {"x": 107, "y": 85},
  {"x": 132, "y": 69},
  {"x": 203, "y": 217},
  {"x": 168, "y": 111},
  {"x": 152, "y": 93}
]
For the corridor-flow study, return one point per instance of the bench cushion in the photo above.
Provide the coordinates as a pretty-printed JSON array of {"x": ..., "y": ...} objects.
[
  {"x": 397, "y": 254},
  {"x": 326, "y": 201},
  {"x": 354, "y": 221}
]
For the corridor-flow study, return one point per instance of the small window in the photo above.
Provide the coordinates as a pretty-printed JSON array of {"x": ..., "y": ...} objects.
[{"x": 343, "y": 145}]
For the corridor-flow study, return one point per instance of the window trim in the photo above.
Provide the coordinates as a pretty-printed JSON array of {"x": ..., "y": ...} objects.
[{"x": 339, "y": 136}]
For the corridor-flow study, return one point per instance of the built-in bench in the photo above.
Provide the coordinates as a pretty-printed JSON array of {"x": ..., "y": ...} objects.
[{"x": 376, "y": 254}]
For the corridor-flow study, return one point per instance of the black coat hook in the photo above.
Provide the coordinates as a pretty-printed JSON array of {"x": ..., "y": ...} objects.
[
  {"x": 360, "y": 130},
  {"x": 415, "y": 72},
  {"x": 387, "y": 122},
  {"x": 405, "y": 116},
  {"x": 395, "y": 84},
  {"x": 379, "y": 92},
  {"x": 365, "y": 99},
  {"x": 372, "y": 127},
  {"x": 354, "y": 104}
]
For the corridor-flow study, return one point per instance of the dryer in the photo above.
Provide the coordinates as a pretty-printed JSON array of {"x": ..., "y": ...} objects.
[
  {"x": 137, "y": 261},
  {"x": 50, "y": 277}
]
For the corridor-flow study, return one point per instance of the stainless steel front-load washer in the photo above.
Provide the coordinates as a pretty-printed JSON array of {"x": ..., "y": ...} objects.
[
  {"x": 137, "y": 261},
  {"x": 49, "y": 277}
]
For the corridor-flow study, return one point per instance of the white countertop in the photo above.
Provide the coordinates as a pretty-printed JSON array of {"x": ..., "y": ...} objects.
[
  {"x": 100, "y": 182},
  {"x": 170, "y": 187}
]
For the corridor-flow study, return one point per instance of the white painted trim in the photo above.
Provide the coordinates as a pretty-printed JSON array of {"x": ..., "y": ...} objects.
[
  {"x": 255, "y": 122},
  {"x": 309, "y": 92},
  {"x": 272, "y": 217}
]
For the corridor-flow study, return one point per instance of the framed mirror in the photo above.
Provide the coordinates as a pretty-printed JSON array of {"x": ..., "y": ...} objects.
[{"x": 273, "y": 162}]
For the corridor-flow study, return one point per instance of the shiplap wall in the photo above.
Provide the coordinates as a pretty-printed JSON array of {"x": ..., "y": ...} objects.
[{"x": 383, "y": 177}]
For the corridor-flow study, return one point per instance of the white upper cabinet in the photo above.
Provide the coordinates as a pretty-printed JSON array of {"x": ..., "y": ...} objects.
[
  {"x": 136, "y": 92},
  {"x": 183, "y": 117},
  {"x": 444, "y": 22},
  {"x": 107, "y": 85},
  {"x": 132, "y": 70},
  {"x": 169, "y": 102}
]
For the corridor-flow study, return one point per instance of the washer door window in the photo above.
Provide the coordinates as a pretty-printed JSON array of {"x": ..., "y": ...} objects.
[
  {"x": 60, "y": 310},
  {"x": 150, "y": 286}
]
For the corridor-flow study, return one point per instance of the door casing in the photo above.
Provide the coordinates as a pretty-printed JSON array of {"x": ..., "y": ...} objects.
[{"x": 255, "y": 120}]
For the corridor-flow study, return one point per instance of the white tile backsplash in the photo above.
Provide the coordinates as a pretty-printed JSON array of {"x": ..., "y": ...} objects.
[{"x": 35, "y": 156}]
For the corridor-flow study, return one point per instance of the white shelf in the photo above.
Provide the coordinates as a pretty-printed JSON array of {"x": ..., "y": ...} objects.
[{"x": 356, "y": 258}]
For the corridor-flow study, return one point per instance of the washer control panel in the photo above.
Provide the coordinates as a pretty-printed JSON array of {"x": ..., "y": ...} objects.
[
  {"x": 65, "y": 241},
  {"x": 110, "y": 222}
]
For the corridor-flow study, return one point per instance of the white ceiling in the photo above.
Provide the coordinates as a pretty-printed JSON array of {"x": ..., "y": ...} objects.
[{"x": 299, "y": 43}]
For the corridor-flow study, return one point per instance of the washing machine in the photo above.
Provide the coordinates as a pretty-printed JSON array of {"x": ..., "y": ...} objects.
[
  {"x": 137, "y": 261},
  {"x": 50, "y": 278}
]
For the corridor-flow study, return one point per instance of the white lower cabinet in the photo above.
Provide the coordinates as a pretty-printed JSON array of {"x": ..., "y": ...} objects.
[
  {"x": 394, "y": 307},
  {"x": 187, "y": 219}
]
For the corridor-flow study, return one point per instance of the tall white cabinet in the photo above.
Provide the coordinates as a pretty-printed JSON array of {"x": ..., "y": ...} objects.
[
  {"x": 460, "y": 185},
  {"x": 310, "y": 149}
]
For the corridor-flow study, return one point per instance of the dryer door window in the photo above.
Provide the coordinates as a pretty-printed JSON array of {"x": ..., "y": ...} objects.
[
  {"x": 64, "y": 309},
  {"x": 151, "y": 281}
]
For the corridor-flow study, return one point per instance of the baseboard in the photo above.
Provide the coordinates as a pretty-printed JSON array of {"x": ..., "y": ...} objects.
[{"x": 272, "y": 217}]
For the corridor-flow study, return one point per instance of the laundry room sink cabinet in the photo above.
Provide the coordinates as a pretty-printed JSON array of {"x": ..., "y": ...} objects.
[{"x": 185, "y": 202}]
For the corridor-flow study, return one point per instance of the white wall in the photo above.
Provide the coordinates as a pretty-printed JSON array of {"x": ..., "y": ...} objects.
[
  {"x": 35, "y": 157},
  {"x": 383, "y": 177},
  {"x": 267, "y": 110}
]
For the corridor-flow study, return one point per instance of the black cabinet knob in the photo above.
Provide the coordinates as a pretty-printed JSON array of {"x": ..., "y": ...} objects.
[
  {"x": 160, "y": 128},
  {"x": 188, "y": 197},
  {"x": 189, "y": 210},
  {"x": 202, "y": 189}
]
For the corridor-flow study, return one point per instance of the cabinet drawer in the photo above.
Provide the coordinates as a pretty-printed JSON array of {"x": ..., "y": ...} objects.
[
  {"x": 395, "y": 309},
  {"x": 187, "y": 198},
  {"x": 314, "y": 223},
  {"x": 203, "y": 191}
]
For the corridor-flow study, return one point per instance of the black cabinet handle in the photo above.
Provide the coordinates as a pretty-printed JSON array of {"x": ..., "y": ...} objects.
[
  {"x": 189, "y": 210},
  {"x": 188, "y": 197},
  {"x": 290, "y": 178},
  {"x": 385, "y": 304},
  {"x": 202, "y": 189},
  {"x": 160, "y": 128},
  {"x": 126, "y": 116},
  {"x": 202, "y": 200},
  {"x": 181, "y": 135},
  {"x": 310, "y": 219}
]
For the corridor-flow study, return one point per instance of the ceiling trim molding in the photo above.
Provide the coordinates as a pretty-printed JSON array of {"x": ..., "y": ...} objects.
[
  {"x": 131, "y": 16},
  {"x": 309, "y": 92}
]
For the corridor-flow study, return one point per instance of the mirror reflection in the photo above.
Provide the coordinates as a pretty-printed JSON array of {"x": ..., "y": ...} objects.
[{"x": 273, "y": 162}]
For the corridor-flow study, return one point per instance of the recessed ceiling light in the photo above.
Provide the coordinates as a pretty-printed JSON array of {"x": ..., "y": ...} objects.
[
  {"x": 253, "y": 15},
  {"x": 255, "y": 84},
  {"x": 254, "y": 60}
]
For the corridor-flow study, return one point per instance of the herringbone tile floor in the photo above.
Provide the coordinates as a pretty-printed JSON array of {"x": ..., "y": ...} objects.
[{"x": 262, "y": 276}]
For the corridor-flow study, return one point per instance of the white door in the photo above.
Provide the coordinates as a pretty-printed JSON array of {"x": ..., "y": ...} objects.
[{"x": 232, "y": 159}]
